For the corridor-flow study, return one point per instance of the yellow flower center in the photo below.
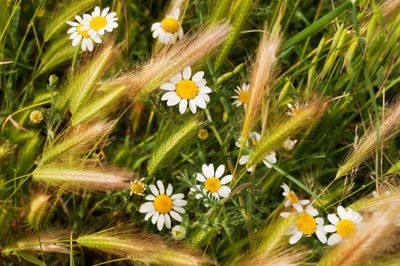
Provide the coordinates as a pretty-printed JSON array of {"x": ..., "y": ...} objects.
[
  {"x": 170, "y": 25},
  {"x": 244, "y": 96},
  {"x": 306, "y": 223},
  {"x": 187, "y": 89},
  {"x": 98, "y": 22},
  {"x": 137, "y": 187},
  {"x": 212, "y": 184},
  {"x": 84, "y": 33},
  {"x": 163, "y": 203},
  {"x": 345, "y": 227},
  {"x": 292, "y": 197}
]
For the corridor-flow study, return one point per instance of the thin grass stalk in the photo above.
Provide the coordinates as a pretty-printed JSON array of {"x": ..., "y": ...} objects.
[
  {"x": 287, "y": 257},
  {"x": 308, "y": 116},
  {"x": 368, "y": 143},
  {"x": 77, "y": 178},
  {"x": 262, "y": 70},
  {"x": 65, "y": 13},
  {"x": 169, "y": 144},
  {"x": 37, "y": 210},
  {"x": 48, "y": 242},
  {"x": 172, "y": 59},
  {"x": 78, "y": 140}
]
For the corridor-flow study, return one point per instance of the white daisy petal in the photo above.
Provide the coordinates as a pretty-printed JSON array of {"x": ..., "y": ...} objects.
[
  {"x": 333, "y": 219},
  {"x": 330, "y": 228},
  {"x": 334, "y": 239},
  {"x": 197, "y": 77},
  {"x": 155, "y": 218},
  {"x": 149, "y": 197},
  {"x": 341, "y": 212},
  {"x": 226, "y": 179},
  {"x": 155, "y": 26},
  {"x": 169, "y": 95},
  {"x": 187, "y": 72},
  {"x": 169, "y": 190},
  {"x": 148, "y": 215},
  {"x": 167, "y": 221},
  {"x": 173, "y": 101},
  {"x": 192, "y": 106},
  {"x": 182, "y": 106},
  {"x": 244, "y": 159},
  {"x": 175, "y": 79},
  {"x": 179, "y": 209},
  {"x": 224, "y": 191},
  {"x": 220, "y": 171},
  {"x": 285, "y": 214},
  {"x": 207, "y": 171},
  {"x": 146, "y": 207},
  {"x": 177, "y": 196},
  {"x": 321, "y": 236},
  {"x": 160, "y": 222},
  {"x": 200, "y": 102},
  {"x": 295, "y": 238},
  {"x": 167, "y": 86},
  {"x": 154, "y": 190},
  {"x": 200, "y": 177},
  {"x": 179, "y": 202},
  {"x": 160, "y": 186},
  {"x": 176, "y": 216},
  {"x": 204, "y": 89}
]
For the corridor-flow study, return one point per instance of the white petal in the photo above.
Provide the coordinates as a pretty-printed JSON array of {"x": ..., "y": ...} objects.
[
  {"x": 155, "y": 218},
  {"x": 179, "y": 202},
  {"x": 220, "y": 171},
  {"x": 167, "y": 221},
  {"x": 201, "y": 83},
  {"x": 192, "y": 106},
  {"x": 160, "y": 222},
  {"x": 105, "y": 11},
  {"x": 182, "y": 106},
  {"x": 224, "y": 191},
  {"x": 179, "y": 209},
  {"x": 175, "y": 13},
  {"x": 160, "y": 186},
  {"x": 304, "y": 202},
  {"x": 285, "y": 214},
  {"x": 334, "y": 239},
  {"x": 148, "y": 215},
  {"x": 155, "y": 26},
  {"x": 177, "y": 196},
  {"x": 295, "y": 238},
  {"x": 146, "y": 207},
  {"x": 298, "y": 207},
  {"x": 180, "y": 33},
  {"x": 187, "y": 72},
  {"x": 342, "y": 212},
  {"x": 319, "y": 220},
  {"x": 76, "y": 40},
  {"x": 169, "y": 95},
  {"x": 330, "y": 228},
  {"x": 167, "y": 86},
  {"x": 175, "y": 79},
  {"x": 311, "y": 210},
  {"x": 176, "y": 216},
  {"x": 321, "y": 236},
  {"x": 197, "y": 77},
  {"x": 204, "y": 89},
  {"x": 173, "y": 101},
  {"x": 333, "y": 219},
  {"x": 156, "y": 32},
  {"x": 357, "y": 218},
  {"x": 207, "y": 171},
  {"x": 244, "y": 159},
  {"x": 154, "y": 190},
  {"x": 205, "y": 97},
  {"x": 96, "y": 11},
  {"x": 149, "y": 197},
  {"x": 287, "y": 203},
  {"x": 200, "y": 177},
  {"x": 226, "y": 179},
  {"x": 200, "y": 102},
  {"x": 71, "y": 30},
  {"x": 169, "y": 190}
]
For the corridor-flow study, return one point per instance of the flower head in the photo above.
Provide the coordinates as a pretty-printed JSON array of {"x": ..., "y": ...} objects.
[
  {"x": 36, "y": 116},
  {"x": 292, "y": 199},
  {"x": 213, "y": 182},
  {"x": 186, "y": 89},
  {"x": 178, "y": 232},
  {"x": 254, "y": 137},
  {"x": 169, "y": 29},
  {"x": 100, "y": 21},
  {"x": 295, "y": 109},
  {"x": 79, "y": 34},
  {"x": 242, "y": 95},
  {"x": 162, "y": 205},
  {"x": 288, "y": 144},
  {"x": 306, "y": 224},
  {"x": 138, "y": 187},
  {"x": 343, "y": 226},
  {"x": 203, "y": 134}
]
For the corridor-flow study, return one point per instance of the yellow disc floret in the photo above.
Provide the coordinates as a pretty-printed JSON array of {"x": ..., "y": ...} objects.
[
  {"x": 212, "y": 184},
  {"x": 163, "y": 203},
  {"x": 170, "y": 25},
  {"x": 244, "y": 96},
  {"x": 306, "y": 223},
  {"x": 84, "y": 33},
  {"x": 187, "y": 89},
  {"x": 292, "y": 197},
  {"x": 345, "y": 227},
  {"x": 138, "y": 187},
  {"x": 98, "y": 22}
]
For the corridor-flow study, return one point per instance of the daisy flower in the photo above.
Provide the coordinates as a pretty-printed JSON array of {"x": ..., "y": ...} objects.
[
  {"x": 295, "y": 109},
  {"x": 169, "y": 29},
  {"x": 162, "y": 205},
  {"x": 242, "y": 96},
  {"x": 292, "y": 199},
  {"x": 79, "y": 34},
  {"x": 255, "y": 137},
  {"x": 212, "y": 183},
  {"x": 100, "y": 21},
  {"x": 186, "y": 89},
  {"x": 138, "y": 187},
  {"x": 306, "y": 224},
  {"x": 288, "y": 144},
  {"x": 342, "y": 226}
]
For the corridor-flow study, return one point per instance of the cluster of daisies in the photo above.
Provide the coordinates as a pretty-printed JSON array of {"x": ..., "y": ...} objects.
[
  {"x": 89, "y": 28},
  {"x": 162, "y": 204},
  {"x": 307, "y": 222}
]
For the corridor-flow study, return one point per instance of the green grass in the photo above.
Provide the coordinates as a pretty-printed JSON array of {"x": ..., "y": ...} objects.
[{"x": 104, "y": 118}]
